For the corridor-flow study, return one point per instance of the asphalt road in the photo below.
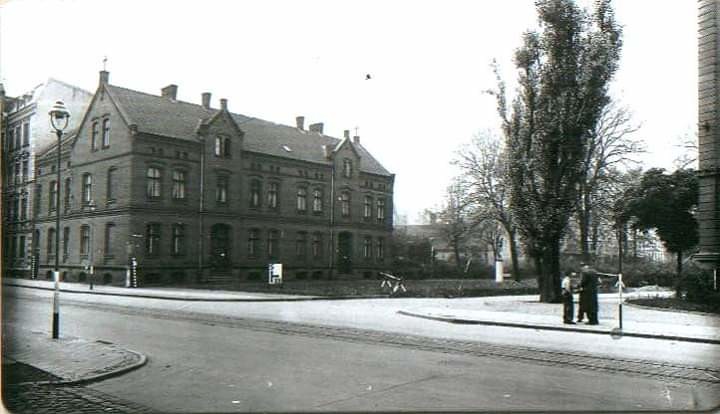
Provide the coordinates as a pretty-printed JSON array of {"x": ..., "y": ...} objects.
[{"x": 214, "y": 360}]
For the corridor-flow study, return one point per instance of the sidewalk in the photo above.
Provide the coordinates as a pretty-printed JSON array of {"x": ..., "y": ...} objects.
[
  {"x": 527, "y": 312},
  {"x": 67, "y": 360},
  {"x": 159, "y": 292}
]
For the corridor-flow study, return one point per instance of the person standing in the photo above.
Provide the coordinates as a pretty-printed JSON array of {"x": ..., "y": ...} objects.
[
  {"x": 588, "y": 295},
  {"x": 567, "y": 296}
]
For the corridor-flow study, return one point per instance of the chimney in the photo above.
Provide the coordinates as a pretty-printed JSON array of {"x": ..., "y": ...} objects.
[
  {"x": 169, "y": 92},
  {"x": 356, "y": 139},
  {"x": 318, "y": 127},
  {"x": 300, "y": 122},
  {"x": 104, "y": 77},
  {"x": 346, "y": 134},
  {"x": 206, "y": 100},
  {"x": 223, "y": 104}
]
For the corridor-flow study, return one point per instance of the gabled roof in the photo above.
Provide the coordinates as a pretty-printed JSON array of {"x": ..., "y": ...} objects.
[{"x": 161, "y": 116}]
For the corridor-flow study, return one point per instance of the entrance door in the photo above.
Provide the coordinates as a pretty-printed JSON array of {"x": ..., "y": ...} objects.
[
  {"x": 220, "y": 245},
  {"x": 345, "y": 252}
]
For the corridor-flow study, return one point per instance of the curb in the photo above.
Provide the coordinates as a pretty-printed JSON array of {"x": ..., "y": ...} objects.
[
  {"x": 196, "y": 299},
  {"x": 460, "y": 321},
  {"x": 142, "y": 360}
]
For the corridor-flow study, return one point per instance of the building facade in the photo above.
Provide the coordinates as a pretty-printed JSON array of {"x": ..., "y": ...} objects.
[
  {"x": 26, "y": 131},
  {"x": 194, "y": 193}
]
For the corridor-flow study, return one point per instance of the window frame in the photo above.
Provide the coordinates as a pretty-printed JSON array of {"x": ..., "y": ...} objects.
[
  {"x": 153, "y": 180},
  {"x": 106, "y": 133},
  {"x": 179, "y": 188}
]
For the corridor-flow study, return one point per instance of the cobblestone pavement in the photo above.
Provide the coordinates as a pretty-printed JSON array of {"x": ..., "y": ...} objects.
[
  {"x": 579, "y": 360},
  {"x": 20, "y": 395},
  {"x": 38, "y": 399}
]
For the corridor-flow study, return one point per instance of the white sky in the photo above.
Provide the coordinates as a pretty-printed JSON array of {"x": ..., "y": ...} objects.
[{"x": 429, "y": 62}]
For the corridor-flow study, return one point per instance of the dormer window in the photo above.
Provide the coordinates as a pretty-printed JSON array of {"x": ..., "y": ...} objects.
[
  {"x": 222, "y": 147},
  {"x": 94, "y": 136},
  {"x": 347, "y": 168}
]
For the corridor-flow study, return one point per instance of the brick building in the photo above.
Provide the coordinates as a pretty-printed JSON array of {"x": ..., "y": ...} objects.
[
  {"x": 200, "y": 193},
  {"x": 26, "y": 132}
]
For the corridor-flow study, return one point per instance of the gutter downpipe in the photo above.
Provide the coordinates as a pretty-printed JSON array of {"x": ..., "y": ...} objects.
[
  {"x": 201, "y": 212},
  {"x": 332, "y": 221}
]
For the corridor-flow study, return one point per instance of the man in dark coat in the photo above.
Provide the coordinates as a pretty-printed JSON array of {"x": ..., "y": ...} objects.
[{"x": 588, "y": 295}]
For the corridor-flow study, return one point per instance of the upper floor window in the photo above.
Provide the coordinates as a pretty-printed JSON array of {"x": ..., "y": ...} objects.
[
  {"x": 25, "y": 171},
  {"x": 380, "y": 248},
  {"x": 367, "y": 207},
  {"x": 255, "y": 193},
  {"x": 317, "y": 200},
  {"x": 152, "y": 238},
  {"x": 381, "y": 209},
  {"x": 18, "y": 136},
  {"x": 272, "y": 196},
  {"x": 345, "y": 204},
  {"x": 302, "y": 199},
  {"x": 221, "y": 189},
  {"x": 222, "y": 147},
  {"x": 18, "y": 176},
  {"x": 106, "y": 133},
  {"x": 111, "y": 184},
  {"x": 52, "y": 196},
  {"x": 94, "y": 136},
  {"x": 26, "y": 134},
  {"x": 347, "y": 168},
  {"x": 86, "y": 188},
  {"x": 153, "y": 182},
  {"x": 23, "y": 208},
  {"x": 84, "y": 240},
  {"x": 179, "y": 183},
  {"x": 67, "y": 193},
  {"x": 178, "y": 239}
]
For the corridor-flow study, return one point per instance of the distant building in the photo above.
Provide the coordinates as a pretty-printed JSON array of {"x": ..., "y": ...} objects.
[
  {"x": 25, "y": 132},
  {"x": 196, "y": 193}
]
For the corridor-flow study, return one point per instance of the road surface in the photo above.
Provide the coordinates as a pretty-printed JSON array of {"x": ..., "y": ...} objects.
[{"x": 361, "y": 355}]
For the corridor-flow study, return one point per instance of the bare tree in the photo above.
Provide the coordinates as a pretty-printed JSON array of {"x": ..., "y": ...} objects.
[
  {"x": 609, "y": 148},
  {"x": 487, "y": 189},
  {"x": 688, "y": 148},
  {"x": 454, "y": 224}
]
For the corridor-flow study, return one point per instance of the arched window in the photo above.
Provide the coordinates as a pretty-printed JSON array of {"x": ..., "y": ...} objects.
[
  {"x": 51, "y": 241},
  {"x": 52, "y": 196},
  {"x": 367, "y": 208},
  {"x": 255, "y": 189},
  {"x": 106, "y": 133},
  {"x": 94, "y": 136},
  {"x": 317, "y": 200},
  {"x": 253, "y": 242},
  {"x": 179, "y": 183},
  {"x": 153, "y": 182},
  {"x": 272, "y": 196},
  {"x": 84, "y": 240},
  {"x": 221, "y": 189},
  {"x": 302, "y": 199},
  {"x": 345, "y": 204},
  {"x": 86, "y": 188}
]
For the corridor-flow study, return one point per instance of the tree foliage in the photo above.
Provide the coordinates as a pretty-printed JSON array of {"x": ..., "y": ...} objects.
[
  {"x": 563, "y": 75},
  {"x": 666, "y": 203}
]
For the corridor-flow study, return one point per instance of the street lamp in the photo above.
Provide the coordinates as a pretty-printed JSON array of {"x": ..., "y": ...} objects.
[{"x": 59, "y": 119}]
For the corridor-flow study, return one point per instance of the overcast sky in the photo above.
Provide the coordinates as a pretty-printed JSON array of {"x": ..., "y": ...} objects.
[{"x": 429, "y": 63}]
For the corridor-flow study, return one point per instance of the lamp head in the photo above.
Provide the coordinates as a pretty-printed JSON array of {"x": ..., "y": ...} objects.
[{"x": 59, "y": 116}]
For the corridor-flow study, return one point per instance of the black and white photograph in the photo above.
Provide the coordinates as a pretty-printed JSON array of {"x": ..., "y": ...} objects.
[{"x": 260, "y": 206}]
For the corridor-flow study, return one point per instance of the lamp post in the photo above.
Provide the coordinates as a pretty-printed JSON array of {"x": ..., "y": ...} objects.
[{"x": 59, "y": 119}]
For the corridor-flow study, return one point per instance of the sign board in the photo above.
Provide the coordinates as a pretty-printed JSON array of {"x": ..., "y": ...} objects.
[{"x": 275, "y": 273}]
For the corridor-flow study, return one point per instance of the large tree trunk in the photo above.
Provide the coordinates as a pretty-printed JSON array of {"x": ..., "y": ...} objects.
[
  {"x": 584, "y": 224},
  {"x": 550, "y": 289},
  {"x": 679, "y": 280}
]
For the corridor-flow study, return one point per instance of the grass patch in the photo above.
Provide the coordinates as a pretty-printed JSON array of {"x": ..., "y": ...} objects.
[{"x": 677, "y": 304}]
